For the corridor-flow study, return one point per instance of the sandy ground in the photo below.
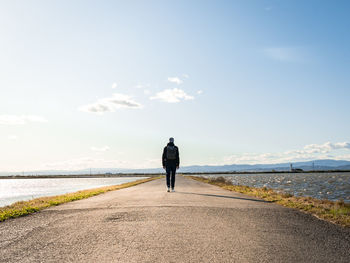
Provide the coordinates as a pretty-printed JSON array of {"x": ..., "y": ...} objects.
[{"x": 197, "y": 223}]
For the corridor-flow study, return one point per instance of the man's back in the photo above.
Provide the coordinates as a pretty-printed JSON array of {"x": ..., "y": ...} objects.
[{"x": 171, "y": 155}]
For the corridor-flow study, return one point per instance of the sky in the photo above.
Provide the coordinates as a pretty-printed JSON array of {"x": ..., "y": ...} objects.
[{"x": 104, "y": 84}]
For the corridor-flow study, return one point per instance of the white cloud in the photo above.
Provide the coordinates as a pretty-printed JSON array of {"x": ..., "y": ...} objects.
[
  {"x": 326, "y": 147},
  {"x": 342, "y": 157},
  {"x": 150, "y": 163},
  {"x": 33, "y": 118},
  {"x": 172, "y": 95},
  {"x": 185, "y": 76},
  {"x": 309, "y": 152},
  {"x": 93, "y": 162},
  {"x": 12, "y": 137},
  {"x": 176, "y": 80},
  {"x": 142, "y": 86},
  {"x": 100, "y": 149},
  {"x": 199, "y": 91},
  {"x": 117, "y": 101},
  {"x": 85, "y": 163},
  {"x": 285, "y": 54},
  {"x": 114, "y": 85},
  {"x": 20, "y": 119}
]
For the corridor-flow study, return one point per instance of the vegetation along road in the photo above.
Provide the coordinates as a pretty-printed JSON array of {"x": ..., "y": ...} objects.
[{"x": 197, "y": 223}]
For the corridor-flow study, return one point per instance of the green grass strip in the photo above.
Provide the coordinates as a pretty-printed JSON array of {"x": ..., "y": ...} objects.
[
  {"x": 336, "y": 212},
  {"x": 23, "y": 208}
]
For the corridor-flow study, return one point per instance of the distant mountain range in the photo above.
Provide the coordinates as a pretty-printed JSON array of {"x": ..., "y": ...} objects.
[
  {"x": 318, "y": 165},
  {"x": 306, "y": 166}
]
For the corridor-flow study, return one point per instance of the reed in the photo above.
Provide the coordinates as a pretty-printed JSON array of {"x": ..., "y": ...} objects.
[
  {"x": 23, "y": 208},
  {"x": 336, "y": 212}
]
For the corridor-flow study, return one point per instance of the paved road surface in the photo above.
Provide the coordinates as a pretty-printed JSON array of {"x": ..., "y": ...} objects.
[{"x": 197, "y": 223}]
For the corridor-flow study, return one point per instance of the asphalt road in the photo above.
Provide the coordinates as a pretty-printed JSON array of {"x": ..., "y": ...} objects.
[{"x": 197, "y": 223}]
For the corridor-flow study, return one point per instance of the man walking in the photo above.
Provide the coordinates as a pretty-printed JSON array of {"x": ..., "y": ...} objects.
[{"x": 171, "y": 162}]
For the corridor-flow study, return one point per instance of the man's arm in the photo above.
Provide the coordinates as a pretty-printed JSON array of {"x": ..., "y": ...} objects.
[
  {"x": 164, "y": 158},
  {"x": 177, "y": 158}
]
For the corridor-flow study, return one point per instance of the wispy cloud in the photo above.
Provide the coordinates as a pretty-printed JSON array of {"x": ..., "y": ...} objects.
[
  {"x": 309, "y": 152},
  {"x": 342, "y": 157},
  {"x": 111, "y": 104},
  {"x": 114, "y": 85},
  {"x": 284, "y": 54},
  {"x": 176, "y": 80},
  {"x": 199, "y": 92},
  {"x": 20, "y": 119},
  {"x": 100, "y": 149},
  {"x": 85, "y": 163},
  {"x": 326, "y": 147},
  {"x": 93, "y": 162},
  {"x": 142, "y": 86},
  {"x": 172, "y": 95},
  {"x": 185, "y": 76}
]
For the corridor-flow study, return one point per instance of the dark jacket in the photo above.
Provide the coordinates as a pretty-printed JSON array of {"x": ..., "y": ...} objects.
[{"x": 165, "y": 161}]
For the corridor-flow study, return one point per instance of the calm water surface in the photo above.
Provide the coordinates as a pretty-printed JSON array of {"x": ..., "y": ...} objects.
[
  {"x": 13, "y": 190},
  {"x": 332, "y": 186}
]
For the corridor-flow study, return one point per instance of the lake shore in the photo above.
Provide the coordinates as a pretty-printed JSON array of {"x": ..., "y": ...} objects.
[
  {"x": 23, "y": 208},
  {"x": 335, "y": 212}
]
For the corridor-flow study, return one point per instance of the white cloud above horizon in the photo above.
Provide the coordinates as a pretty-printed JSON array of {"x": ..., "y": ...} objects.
[
  {"x": 95, "y": 163},
  {"x": 175, "y": 80},
  {"x": 326, "y": 147},
  {"x": 100, "y": 149},
  {"x": 172, "y": 95},
  {"x": 142, "y": 86},
  {"x": 84, "y": 163},
  {"x": 12, "y": 137},
  {"x": 111, "y": 104},
  {"x": 309, "y": 152},
  {"x": 8, "y": 119},
  {"x": 114, "y": 85}
]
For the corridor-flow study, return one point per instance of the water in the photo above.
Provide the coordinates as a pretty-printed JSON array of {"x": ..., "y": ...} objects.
[
  {"x": 13, "y": 190},
  {"x": 331, "y": 186}
]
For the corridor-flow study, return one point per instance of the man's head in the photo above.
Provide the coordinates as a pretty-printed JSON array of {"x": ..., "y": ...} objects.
[{"x": 171, "y": 139}]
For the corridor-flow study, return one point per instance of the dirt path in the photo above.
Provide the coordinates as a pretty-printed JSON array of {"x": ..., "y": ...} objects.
[{"x": 197, "y": 223}]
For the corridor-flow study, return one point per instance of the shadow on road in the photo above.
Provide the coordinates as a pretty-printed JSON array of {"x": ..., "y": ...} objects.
[{"x": 226, "y": 196}]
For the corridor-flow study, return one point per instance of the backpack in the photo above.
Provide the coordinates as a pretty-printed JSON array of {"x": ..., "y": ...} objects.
[{"x": 170, "y": 152}]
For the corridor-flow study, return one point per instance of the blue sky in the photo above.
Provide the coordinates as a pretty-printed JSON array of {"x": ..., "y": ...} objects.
[{"x": 106, "y": 83}]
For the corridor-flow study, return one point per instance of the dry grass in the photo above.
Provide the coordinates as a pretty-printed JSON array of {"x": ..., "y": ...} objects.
[
  {"x": 23, "y": 208},
  {"x": 335, "y": 212}
]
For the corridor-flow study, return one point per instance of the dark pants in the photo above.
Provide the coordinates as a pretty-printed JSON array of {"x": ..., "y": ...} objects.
[{"x": 170, "y": 171}]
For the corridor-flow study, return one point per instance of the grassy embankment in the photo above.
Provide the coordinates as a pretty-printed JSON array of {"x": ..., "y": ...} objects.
[
  {"x": 23, "y": 208},
  {"x": 335, "y": 212}
]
